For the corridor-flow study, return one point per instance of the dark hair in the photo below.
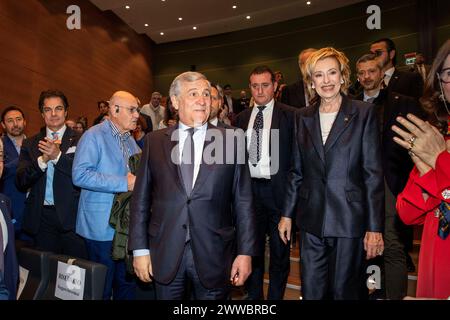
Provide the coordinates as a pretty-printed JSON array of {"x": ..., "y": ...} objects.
[
  {"x": 52, "y": 94},
  {"x": 430, "y": 100},
  {"x": 227, "y": 86},
  {"x": 261, "y": 70},
  {"x": 11, "y": 108},
  {"x": 102, "y": 102},
  {"x": 168, "y": 114},
  {"x": 390, "y": 45}
]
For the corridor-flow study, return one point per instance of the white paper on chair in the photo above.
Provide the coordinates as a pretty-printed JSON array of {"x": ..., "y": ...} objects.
[
  {"x": 23, "y": 277},
  {"x": 69, "y": 282}
]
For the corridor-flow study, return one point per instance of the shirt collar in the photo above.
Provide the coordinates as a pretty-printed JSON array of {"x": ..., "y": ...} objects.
[
  {"x": 184, "y": 127},
  {"x": 389, "y": 72},
  {"x": 60, "y": 132},
  {"x": 269, "y": 105},
  {"x": 214, "y": 121},
  {"x": 366, "y": 97},
  {"x": 116, "y": 131}
]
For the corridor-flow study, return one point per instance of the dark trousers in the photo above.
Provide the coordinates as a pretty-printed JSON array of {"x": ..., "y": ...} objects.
[
  {"x": 187, "y": 274},
  {"x": 395, "y": 275},
  {"x": 120, "y": 284},
  {"x": 332, "y": 268},
  {"x": 267, "y": 219},
  {"x": 52, "y": 237}
]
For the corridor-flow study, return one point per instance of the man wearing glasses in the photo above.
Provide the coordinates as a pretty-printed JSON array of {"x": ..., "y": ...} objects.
[
  {"x": 407, "y": 83},
  {"x": 45, "y": 166},
  {"x": 101, "y": 170}
]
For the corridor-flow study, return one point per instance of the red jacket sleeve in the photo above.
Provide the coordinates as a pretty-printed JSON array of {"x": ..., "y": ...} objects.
[{"x": 443, "y": 176}]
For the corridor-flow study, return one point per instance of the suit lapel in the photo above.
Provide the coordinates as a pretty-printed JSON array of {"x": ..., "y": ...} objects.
[
  {"x": 67, "y": 140},
  {"x": 343, "y": 119},
  {"x": 170, "y": 145},
  {"x": 393, "y": 80},
  {"x": 312, "y": 123}
]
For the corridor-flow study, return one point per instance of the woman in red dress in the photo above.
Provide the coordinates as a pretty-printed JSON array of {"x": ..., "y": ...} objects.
[{"x": 426, "y": 197}]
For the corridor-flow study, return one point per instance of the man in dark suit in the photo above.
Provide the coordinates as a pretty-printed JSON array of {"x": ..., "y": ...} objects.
[
  {"x": 397, "y": 165},
  {"x": 14, "y": 123},
  {"x": 45, "y": 167},
  {"x": 420, "y": 67},
  {"x": 295, "y": 94},
  {"x": 234, "y": 105},
  {"x": 216, "y": 106},
  {"x": 9, "y": 270},
  {"x": 406, "y": 83},
  {"x": 192, "y": 220},
  {"x": 270, "y": 128}
]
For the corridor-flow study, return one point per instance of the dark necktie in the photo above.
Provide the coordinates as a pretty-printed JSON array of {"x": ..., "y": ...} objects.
[
  {"x": 256, "y": 138},
  {"x": 187, "y": 161},
  {"x": 444, "y": 220}
]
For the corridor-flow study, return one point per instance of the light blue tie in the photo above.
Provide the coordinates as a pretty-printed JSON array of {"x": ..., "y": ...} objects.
[{"x": 49, "y": 201}]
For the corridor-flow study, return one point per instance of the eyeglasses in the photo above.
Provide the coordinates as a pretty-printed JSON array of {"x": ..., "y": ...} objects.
[
  {"x": 444, "y": 75},
  {"x": 131, "y": 109}
]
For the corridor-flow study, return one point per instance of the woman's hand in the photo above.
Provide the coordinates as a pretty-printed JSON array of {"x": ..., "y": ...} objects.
[{"x": 423, "y": 140}]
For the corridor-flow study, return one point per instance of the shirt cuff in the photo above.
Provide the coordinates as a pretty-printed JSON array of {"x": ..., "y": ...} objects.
[
  {"x": 55, "y": 161},
  {"x": 41, "y": 163},
  {"x": 141, "y": 252}
]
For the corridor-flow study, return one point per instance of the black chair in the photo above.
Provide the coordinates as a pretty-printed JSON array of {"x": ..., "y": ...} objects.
[
  {"x": 94, "y": 282},
  {"x": 37, "y": 264}
]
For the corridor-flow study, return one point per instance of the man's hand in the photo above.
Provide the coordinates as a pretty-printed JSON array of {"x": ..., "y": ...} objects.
[
  {"x": 49, "y": 148},
  {"x": 131, "y": 179},
  {"x": 284, "y": 229},
  {"x": 373, "y": 244},
  {"x": 241, "y": 269},
  {"x": 143, "y": 267}
]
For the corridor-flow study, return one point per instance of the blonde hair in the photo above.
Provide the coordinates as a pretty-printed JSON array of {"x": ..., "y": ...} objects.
[{"x": 321, "y": 54}]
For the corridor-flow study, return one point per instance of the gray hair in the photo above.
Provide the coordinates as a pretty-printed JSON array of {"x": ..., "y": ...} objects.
[
  {"x": 368, "y": 57},
  {"x": 188, "y": 76},
  {"x": 219, "y": 89}
]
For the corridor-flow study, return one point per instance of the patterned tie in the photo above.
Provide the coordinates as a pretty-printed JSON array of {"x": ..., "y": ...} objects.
[
  {"x": 187, "y": 161},
  {"x": 256, "y": 138},
  {"x": 49, "y": 200},
  {"x": 444, "y": 219}
]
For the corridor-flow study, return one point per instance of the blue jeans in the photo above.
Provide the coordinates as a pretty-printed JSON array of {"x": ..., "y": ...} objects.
[{"x": 118, "y": 284}]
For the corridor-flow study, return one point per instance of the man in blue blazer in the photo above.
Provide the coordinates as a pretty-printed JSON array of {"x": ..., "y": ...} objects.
[
  {"x": 14, "y": 123},
  {"x": 101, "y": 170}
]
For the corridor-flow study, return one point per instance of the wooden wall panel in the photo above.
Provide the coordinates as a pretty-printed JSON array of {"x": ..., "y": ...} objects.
[{"x": 39, "y": 52}]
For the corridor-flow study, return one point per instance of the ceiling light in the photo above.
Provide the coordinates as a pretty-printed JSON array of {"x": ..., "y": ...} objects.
[
  {"x": 161, "y": 33},
  {"x": 146, "y": 24},
  {"x": 127, "y": 7},
  {"x": 234, "y": 7},
  {"x": 195, "y": 28},
  {"x": 308, "y": 2},
  {"x": 180, "y": 18},
  {"x": 247, "y": 17}
]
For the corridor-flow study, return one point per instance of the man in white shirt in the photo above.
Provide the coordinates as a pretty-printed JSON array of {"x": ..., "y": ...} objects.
[
  {"x": 270, "y": 130},
  {"x": 154, "y": 110}
]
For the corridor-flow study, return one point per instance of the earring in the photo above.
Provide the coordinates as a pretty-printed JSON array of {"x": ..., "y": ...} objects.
[
  {"x": 342, "y": 81},
  {"x": 313, "y": 86}
]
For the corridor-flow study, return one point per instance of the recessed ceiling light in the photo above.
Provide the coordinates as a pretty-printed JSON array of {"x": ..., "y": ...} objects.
[
  {"x": 161, "y": 33},
  {"x": 180, "y": 18},
  {"x": 146, "y": 24},
  {"x": 247, "y": 17},
  {"x": 163, "y": 0},
  {"x": 234, "y": 7},
  {"x": 195, "y": 28},
  {"x": 127, "y": 7},
  {"x": 308, "y": 2}
]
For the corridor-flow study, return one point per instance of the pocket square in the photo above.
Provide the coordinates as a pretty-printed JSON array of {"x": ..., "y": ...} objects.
[{"x": 71, "y": 149}]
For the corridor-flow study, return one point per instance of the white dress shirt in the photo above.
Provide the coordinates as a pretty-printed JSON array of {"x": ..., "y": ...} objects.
[
  {"x": 326, "y": 123},
  {"x": 366, "y": 97},
  {"x": 262, "y": 169},
  {"x": 388, "y": 75},
  {"x": 4, "y": 231}
]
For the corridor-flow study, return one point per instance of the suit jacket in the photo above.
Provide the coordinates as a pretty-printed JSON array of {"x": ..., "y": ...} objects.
[
  {"x": 219, "y": 212},
  {"x": 283, "y": 118},
  {"x": 11, "y": 276},
  {"x": 237, "y": 106},
  {"x": 11, "y": 161},
  {"x": 294, "y": 95},
  {"x": 397, "y": 164},
  {"x": 407, "y": 83},
  {"x": 99, "y": 169},
  {"x": 29, "y": 175},
  {"x": 340, "y": 184}
]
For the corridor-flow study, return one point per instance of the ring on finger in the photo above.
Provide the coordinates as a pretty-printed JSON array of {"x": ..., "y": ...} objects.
[{"x": 411, "y": 141}]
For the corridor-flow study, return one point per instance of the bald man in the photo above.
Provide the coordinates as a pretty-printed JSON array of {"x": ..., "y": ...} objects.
[{"x": 101, "y": 170}]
